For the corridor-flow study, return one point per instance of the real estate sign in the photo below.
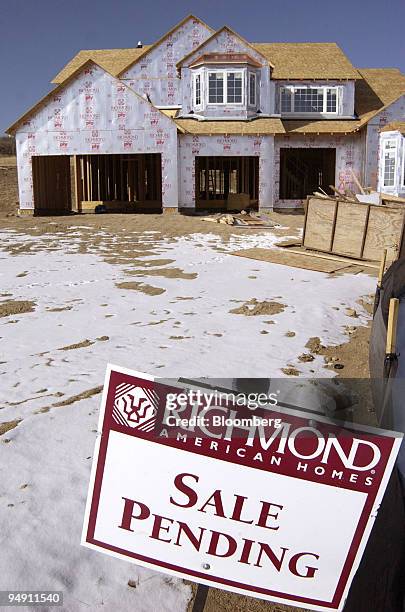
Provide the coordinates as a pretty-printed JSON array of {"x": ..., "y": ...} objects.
[{"x": 273, "y": 504}]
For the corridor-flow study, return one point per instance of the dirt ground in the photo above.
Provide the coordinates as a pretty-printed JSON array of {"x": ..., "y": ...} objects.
[{"x": 349, "y": 360}]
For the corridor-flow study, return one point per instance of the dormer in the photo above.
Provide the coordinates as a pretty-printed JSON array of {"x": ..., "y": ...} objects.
[
  {"x": 225, "y": 78},
  {"x": 320, "y": 99},
  {"x": 225, "y": 82}
]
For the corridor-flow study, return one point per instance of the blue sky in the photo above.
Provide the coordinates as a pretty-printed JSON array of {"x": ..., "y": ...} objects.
[{"x": 37, "y": 37}]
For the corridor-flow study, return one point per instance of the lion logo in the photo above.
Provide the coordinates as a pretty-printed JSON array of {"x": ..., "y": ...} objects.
[{"x": 135, "y": 407}]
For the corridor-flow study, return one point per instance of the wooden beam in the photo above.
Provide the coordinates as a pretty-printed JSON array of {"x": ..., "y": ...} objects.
[
  {"x": 356, "y": 180},
  {"x": 390, "y": 348}
]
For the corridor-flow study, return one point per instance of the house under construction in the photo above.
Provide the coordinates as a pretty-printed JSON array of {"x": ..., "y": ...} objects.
[{"x": 205, "y": 120}]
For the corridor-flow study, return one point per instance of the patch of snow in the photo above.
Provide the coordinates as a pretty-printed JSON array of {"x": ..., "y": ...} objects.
[{"x": 163, "y": 334}]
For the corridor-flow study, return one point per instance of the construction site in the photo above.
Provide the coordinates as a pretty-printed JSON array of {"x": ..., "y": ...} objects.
[{"x": 202, "y": 204}]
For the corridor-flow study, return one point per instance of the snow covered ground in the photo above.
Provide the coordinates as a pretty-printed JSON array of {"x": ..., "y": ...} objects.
[{"x": 177, "y": 322}]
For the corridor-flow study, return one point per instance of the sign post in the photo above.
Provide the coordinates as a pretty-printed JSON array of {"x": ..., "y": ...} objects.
[{"x": 272, "y": 504}]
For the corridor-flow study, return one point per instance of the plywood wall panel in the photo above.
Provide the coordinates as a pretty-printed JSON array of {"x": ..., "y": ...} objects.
[
  {"x": 350, "y": 227},
  {"x": 385, "y": 227},
  {"x": 319, "y": 224}
]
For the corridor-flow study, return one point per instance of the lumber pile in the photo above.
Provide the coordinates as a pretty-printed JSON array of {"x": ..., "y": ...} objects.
[
  {"x": 244, "y": 219},
  {"x": 366, "y": 195}
]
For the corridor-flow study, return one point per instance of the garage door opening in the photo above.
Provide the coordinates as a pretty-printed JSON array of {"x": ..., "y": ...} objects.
[
  {"x": 97, "y": 183},
  {"x": 51, "y": 178},
  {"x": 303, "y": 171},
  {"x": 120, "y": 183},
  {"x": 227, "y": 183}
]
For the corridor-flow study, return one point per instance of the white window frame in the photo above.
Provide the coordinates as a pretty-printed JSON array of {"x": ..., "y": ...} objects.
[
  {"x": 325, "y": 88},
  {"x": 225, "y": 73},
  {"x": 197, "y": 75},
  {"x": 254, "y": 75},
  {"x": 402, "y": 148},
  {"x": 385, "y": 147}
]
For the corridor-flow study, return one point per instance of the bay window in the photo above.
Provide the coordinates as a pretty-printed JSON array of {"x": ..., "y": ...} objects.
[
  {"x": 252, "y": 89},
  {"x": 215, "y": 88},
  {"x": 234, "y": 88},
  {"x": 309, "y": 99},
  {"x": 197, "y": 90},
  {"x": 225, "y": 87}
]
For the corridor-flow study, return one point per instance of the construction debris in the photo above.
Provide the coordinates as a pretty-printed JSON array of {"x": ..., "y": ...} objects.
[{"x": 244, "y": 219}]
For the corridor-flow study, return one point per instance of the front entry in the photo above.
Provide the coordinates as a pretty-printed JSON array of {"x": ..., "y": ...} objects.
[{"x": 226, "y": 183}]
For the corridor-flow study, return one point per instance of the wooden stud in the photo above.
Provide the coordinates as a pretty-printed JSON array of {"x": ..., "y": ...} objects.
[
  {"x": 390, "y": 347},
  {"x": 77, "y": 183},
  {"x": 356, "y": 180},
  {"x": 363, "y": 240}
]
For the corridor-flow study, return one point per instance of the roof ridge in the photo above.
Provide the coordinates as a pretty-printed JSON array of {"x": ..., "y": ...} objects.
[{"x": 162, "y": 38}]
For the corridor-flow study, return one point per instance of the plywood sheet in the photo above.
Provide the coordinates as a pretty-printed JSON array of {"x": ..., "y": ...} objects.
[
  {"x": 304, "y": 260},
  {"x": 384, "y": 231},
  {"x": 319, "y": 224},
  {"x": 350, "y": 226}
]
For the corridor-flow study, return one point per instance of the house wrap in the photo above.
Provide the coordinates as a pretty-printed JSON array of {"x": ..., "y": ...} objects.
[{"x": 205, "y": 120}]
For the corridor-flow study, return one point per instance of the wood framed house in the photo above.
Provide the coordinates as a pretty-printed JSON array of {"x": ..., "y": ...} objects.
[{"x": 205, "y": 120}]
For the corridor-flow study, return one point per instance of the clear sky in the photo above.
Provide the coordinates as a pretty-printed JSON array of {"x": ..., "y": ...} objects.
[{"x": 37, "y": 37}]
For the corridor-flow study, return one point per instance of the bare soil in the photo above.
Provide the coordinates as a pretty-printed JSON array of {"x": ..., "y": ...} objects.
[
  {"x": 254, "y": 308},
  {"x": 13, "y": 307}
]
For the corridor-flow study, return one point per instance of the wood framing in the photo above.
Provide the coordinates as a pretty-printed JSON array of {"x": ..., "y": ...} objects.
[
  {"x": 227, "y": 182},
  {"x": 120, "y": 182}
]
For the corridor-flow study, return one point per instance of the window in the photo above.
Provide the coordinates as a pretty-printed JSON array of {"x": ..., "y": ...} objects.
[
  {"x": 401, "y": 154},
  {"x": 225, "y": 87},
  {"x": 309, "y": 99},
  {"x": 286, "y": 100},
  {"x": 234, "y": 88},
  {"x": 252, "y": 89},
  {"x": 331, "y": 100},
  {"x": 389, "y": 156},
  {"x": 215, "y": 88},
  {"x": 197, "y": 90}
]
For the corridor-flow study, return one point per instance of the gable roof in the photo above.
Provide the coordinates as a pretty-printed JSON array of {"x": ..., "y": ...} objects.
[
  {"x": 394, "y": 126},
  {"x": 162, "y": 38},
  {"x": 111, "y": 60},
  {"x": 307, "y": 61},
  {"x": 378, "y": 88},
  {"x": 214, "y": 34},
  {"x": 43, "y": 101}
]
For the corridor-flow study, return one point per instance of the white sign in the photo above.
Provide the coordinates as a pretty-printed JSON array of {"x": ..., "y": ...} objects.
[{"x": 276, "y": 507}]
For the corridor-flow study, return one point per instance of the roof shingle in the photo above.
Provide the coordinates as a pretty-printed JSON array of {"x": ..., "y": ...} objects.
[{"x": 307, "y": 61}]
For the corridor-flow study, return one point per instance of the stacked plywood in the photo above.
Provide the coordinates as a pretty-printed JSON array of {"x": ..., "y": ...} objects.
[{"x": 357, "y": 230}]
